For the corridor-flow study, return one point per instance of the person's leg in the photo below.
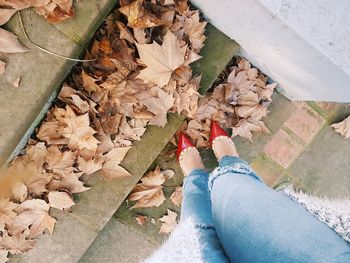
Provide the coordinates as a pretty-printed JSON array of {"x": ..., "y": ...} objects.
[
  {"x": 196, "y": 206},
  {"x": 257, "y": 224}
]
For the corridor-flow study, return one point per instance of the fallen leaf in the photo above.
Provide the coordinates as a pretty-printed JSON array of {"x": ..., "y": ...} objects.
[
  {"x": 16, "y": 82},
  {"x": 2, "y": 67},
  {"x": 33, "y": 214},
  {"x": 343, "y": 127},
  {"x": 245, "y": 128},
  {"x": 7, "y": 213},
  {"x": 159, "y": 107},
  {"x": 111, "y": 168},
  {"x": 161, "y": 60},
  {"x": 16, "y": 244},
  {"x": 3, "y": 255},
  {"x": 141, "y": 220},
  {"x": 176, "y": 196},
  {"x": 69, "y": 182},
  {"x": 60, "y": 200},
  {"x": 20, "y": 4},
  {"x": 56, "y": 10},
  {"x": 168, "y": 222},
  {"x": 6, "y": 14},
  {"x": 149, "y": 192},
  {"x": 138, "y": 16},
  {"x": 90, "y": 166},
  {"x": 10, "y": 44},
  {"x": 60, "y": 162}
]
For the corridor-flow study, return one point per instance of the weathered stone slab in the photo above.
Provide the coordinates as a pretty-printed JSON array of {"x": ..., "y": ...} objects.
[
  {"x": 323, "y": 168},
  {"x": 41, "y": 75},
  {"x": 63, "y": 245},
  {"x": 216, "y": 53},
  {"x": 119, "y": 243}
]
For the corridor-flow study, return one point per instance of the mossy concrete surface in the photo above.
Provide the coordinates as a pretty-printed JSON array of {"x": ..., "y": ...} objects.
[{"x": 41, "y": 74}]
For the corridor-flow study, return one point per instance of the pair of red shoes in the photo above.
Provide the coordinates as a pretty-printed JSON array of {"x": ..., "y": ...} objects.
[{"x": 184, "y": 142}]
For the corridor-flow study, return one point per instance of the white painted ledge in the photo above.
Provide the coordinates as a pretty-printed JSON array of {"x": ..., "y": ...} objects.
[{"x": 282, "y": 38}]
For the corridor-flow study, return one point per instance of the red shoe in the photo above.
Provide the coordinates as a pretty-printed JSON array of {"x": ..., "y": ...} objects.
[
  {"x": 216, "y": 131},
  {"x": 182, "y": 144}
]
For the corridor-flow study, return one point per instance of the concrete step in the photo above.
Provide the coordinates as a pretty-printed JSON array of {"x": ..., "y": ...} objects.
[
  {"x": 217, "y": 52},
  {"x": 23, "y": 108},
  {"x": 76, "y": 231}
]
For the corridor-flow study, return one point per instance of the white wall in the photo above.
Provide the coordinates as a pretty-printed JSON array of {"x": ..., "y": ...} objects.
[{"x": 302, "y": 44}]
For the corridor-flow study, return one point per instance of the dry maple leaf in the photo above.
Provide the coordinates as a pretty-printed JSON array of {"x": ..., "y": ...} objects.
[
  {"x": 6, "y": 14},
  {"x": 60, "y": 162},
  {"x": 162, "y": 60},
  {"x": 16, "y": 244},
  {"x": 138, "y": 16},
  {"x": 79, "y": 133},
  {"x": 159, "y": 107},
  {"x": 7, "y": 213},
  {"x": 20, "y": 4},
  {"x": 245, "y": 128},
  {"x": 2, "y": 67},
  {"x": 149, "y": 192},
  {"x": 89, "y": 166},
  {"x": 141, "y": 220},
  {"x": 343, "y": 127},
  {"x": 111, "y": 168},
  {"x": 69, "y": 182},
  {"x": 168, "y": 222},
  {"x": 35, "y": 215},
  {"x": 9, "y": 43},
  {"x": 60, "y": 200},
  {"x": 56, "y": 10},
  {"x": 176, "y": 196},
  {"x": 3, "y": 255}
]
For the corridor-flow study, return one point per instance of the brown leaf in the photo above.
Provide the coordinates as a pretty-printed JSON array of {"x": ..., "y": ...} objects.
[
  {"x": 141, "y": 220},
  {"x": 34, "y": 214},
  {"x": 162, "y": 60},
  {"x": 159, "y": 107},
  {"x": 168, "y": 222},
  {"x": 176, "y": 196},
  {"x": 49, "y": 132},
  {"x": 56, "y": 10},
  {"x": 125, "y": 32},
  {"x": 69, "y": 182},
  {"x": 20, "y": 4},
  {"x": 149, "y": 192},
  {"x": 60, "y": 162},
  {"x": 245, "y": 128},
  {"x": 90, "y": 166},
  {"x": 110, "y": 168},
  {"x": 10, "y": 44},
  {"x": 6, "y": 14},
  {"x": 60, "y": 200},
  {"x": 3, "y": 255},
  {"x": 138, "y": 16},
  {"x": 16, "y": 82},
  {"x": 2, "y": 67},
  {"x": 16, "y": 244},
  {"x": 7, "y": 213},
  {"x": 343, "y": 127}
]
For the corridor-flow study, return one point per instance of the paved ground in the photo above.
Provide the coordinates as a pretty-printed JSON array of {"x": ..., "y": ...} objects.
[{"x": 302, "y": 149}]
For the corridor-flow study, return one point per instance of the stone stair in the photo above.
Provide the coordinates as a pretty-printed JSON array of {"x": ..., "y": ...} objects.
[
  {"x": 76, "y": 230},
  {"x": 100, "y": 227}
]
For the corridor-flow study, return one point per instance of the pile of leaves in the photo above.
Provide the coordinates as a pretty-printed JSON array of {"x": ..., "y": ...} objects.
[
  {"x": 140, "y": 71},
  {"x": 52, "y": 10},
  {"x": 238, "y": 102}
]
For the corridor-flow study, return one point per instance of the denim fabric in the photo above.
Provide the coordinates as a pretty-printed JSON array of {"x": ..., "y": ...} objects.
[
  {"x": 249, "y": 222},
  {"x": 196, "y": 205}
]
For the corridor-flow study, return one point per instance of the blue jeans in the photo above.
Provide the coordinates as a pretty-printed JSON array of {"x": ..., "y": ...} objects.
[{"x": 241, "y": 220}]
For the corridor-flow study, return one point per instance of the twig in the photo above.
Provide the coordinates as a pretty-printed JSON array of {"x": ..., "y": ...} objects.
[{"x": 45, "y": 50}]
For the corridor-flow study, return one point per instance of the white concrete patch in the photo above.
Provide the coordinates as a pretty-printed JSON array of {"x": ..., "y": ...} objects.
[{"x": 303, "y": 45}]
